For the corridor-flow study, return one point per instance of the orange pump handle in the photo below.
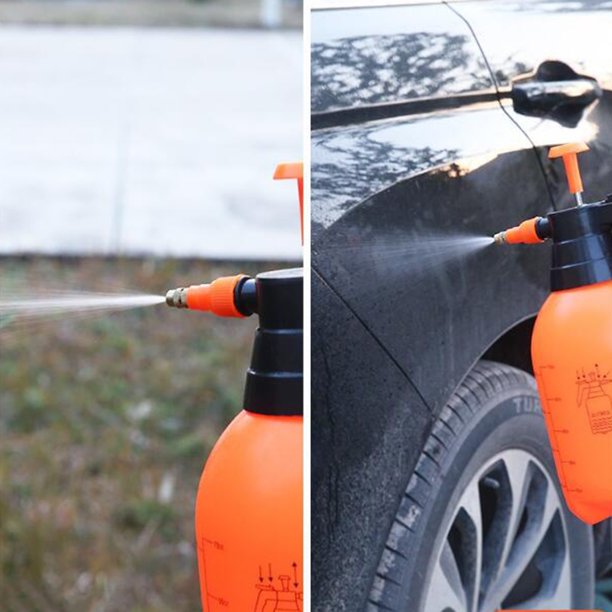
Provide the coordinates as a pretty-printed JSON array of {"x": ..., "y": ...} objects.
[
  {"x": 216, "y": 297},
  {"x": 294, "y": 170},
  {"x": 569, "y": 153},
  {"x": 525, "y": 233}
]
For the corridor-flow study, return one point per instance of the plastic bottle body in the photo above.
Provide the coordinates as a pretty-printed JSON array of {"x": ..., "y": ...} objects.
[
  {"x": 572, "y": 359},
  {"x": 249, "y": 517}
]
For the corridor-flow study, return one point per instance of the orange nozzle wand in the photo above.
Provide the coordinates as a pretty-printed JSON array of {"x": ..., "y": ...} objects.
[
  {"x": 227, "y": 296},
  {"x": 531, "y": 231}
]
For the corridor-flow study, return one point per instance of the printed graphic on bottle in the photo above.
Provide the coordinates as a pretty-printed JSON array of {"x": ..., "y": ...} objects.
[
  {"x": 280, "y": 595},
  {"x": 275, "y": 589},
  {"x": 595, "y": 398}
]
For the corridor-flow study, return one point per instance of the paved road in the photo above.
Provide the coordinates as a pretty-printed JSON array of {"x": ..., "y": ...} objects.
[{"x": 149, "y": 141}]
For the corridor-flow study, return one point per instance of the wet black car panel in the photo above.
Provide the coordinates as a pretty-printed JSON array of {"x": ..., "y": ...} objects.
[{"x": 399, "y": 155}]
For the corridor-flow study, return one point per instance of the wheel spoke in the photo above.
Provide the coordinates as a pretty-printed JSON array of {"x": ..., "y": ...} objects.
[
  {"x": 446, "y": 590},
  {"x": 558, "y": 596},
  {"x": 503, "y": 492},
  {"x": 517, "y": 467},
  {"x": 472, "y": 530},
  {"x": 542, "y": 505}
]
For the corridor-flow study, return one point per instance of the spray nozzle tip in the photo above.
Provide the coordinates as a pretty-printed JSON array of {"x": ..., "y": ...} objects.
[
  {"x": 500, "y": 238},
  {"x": 177, "y": 298}
]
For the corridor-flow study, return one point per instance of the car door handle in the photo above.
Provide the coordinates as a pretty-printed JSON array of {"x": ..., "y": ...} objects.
[
  {"x": 555, "y": 91},
  {"x": 547, "y": 95}
]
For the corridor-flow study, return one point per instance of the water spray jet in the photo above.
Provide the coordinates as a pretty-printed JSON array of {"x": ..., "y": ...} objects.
[{"x": 39, "y": 305}]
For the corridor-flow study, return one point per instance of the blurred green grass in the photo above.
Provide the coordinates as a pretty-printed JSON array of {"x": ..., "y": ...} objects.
[{"x": 105, "y": 423}]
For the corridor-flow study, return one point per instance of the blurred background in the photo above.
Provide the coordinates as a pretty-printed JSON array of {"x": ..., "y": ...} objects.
[{"x": 138, "y": 139}]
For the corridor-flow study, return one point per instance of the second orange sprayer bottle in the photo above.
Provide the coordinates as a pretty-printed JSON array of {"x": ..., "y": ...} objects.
[
  {"x": 248, "y": 519},
  {"x": 572, "y": 344}
]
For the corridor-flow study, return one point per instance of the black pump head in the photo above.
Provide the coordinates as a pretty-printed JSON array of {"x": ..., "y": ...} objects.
[
  {"x": 275, "y": 379},
  {"x": 582, "y": 246}
]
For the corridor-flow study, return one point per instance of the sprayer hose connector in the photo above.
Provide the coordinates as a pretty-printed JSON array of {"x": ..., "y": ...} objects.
[{"x": 177, "y": 298}]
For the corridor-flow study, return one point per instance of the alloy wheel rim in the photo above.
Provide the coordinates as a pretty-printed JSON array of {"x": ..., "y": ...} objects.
[{"x": 505, "y": 545}]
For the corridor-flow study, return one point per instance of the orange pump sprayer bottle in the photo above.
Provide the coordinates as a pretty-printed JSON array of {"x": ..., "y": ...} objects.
[
  {"x": 248, "y": 519},
  {"x": 572, "y": 344}
]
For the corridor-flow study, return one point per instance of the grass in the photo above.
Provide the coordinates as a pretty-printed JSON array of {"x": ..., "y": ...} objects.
[{"x": 104, "y": 426}]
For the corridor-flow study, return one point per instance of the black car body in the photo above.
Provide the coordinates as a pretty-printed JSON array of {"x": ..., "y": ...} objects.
[{"x": 424, "y": 125}]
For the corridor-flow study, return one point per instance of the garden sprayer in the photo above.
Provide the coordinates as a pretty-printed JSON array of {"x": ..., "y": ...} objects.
[
  {"x": 571, "y": 345},
  {"x": 248, "y": 519}
]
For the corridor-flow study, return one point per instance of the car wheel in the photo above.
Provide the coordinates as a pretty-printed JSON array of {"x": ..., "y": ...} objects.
[{"x": 482, "y": 525}]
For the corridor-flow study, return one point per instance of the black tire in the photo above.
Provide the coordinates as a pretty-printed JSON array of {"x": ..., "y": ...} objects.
[{"x": 494, "y": 415}]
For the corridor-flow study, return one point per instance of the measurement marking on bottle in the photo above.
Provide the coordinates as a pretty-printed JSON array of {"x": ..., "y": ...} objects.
[
  {"x": 574, "y": 490},
  {"x": 220, "y": 600},
  {"x": 554, "y": 431},
  {"x": 218, "y": 547},
  {"x": 214, "y": 543}
]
